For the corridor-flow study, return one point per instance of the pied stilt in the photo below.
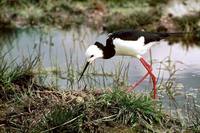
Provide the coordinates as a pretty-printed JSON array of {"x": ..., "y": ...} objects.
[{"x": 127, "y": 43}]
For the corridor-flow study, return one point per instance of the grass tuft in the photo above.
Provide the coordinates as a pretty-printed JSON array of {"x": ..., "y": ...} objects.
[
  {"x": 105, "y": 110},
  {"x": 16, "y": 78}
]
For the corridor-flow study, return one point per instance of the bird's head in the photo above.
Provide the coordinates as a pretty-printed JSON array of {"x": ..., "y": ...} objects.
[{"x": 92, "y": 53}]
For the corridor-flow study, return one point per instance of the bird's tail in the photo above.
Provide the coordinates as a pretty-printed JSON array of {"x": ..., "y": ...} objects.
[
  {"x": 177, "y": 34},
  {"x": 167, "y": 34},
  {"x": 180, "y": 33}
]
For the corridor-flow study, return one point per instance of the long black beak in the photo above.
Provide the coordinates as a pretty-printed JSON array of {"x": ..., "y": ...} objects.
[{"x": 84, "y": 70}]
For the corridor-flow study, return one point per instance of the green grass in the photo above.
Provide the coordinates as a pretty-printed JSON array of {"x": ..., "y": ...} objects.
[
  {"x": 9, "y": 75},
  {"x": 17, "y": 75},
  {"x": 133, "y": 107}
]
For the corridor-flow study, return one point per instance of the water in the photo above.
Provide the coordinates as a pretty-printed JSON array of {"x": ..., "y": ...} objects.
[
  {"x": 63, "y": 52},
  {"x": 56, "y": 47}
]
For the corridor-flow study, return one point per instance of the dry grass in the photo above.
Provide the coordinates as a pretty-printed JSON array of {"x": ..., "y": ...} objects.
[{"x": 81, "y": 111}]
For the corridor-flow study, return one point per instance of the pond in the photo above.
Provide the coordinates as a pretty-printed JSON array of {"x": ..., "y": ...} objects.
[{"x": 62, "y": 57}]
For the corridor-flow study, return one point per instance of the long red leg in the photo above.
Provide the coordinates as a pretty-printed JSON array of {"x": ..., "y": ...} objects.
[
  {"x": 149, "y": 69},
  {"x": 133, "y": 86},
  {"x": 137, "y": 83},
  {"x": 142, "y": 79}
]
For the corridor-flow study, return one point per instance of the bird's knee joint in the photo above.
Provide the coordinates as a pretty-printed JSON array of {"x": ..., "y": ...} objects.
[{"x": 154, "y": 78}]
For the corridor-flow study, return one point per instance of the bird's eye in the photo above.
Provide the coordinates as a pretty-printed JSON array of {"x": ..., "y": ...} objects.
[{"x": 91, "y": 56}]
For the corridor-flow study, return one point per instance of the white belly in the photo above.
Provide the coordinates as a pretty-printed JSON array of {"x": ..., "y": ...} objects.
[{"x": 130, "y": 48}]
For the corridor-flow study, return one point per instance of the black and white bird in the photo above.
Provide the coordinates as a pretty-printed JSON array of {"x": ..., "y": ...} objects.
[{"x": 132, "y": 43}]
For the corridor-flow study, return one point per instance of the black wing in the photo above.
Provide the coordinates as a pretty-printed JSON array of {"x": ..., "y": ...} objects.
[{"x": 135, "y": 34}]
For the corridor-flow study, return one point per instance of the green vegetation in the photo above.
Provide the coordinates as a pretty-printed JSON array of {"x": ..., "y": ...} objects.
[
  {"x": 189, "y": 24},
  {"x": 18, "y": 75},
  {"x": 136, "y": 20},
  {"x": 110, "y": 14},
  {"x": 105, "y": 15},
  {"x": 81, "y": 111},
  {"x": 100, "y": 112}
]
